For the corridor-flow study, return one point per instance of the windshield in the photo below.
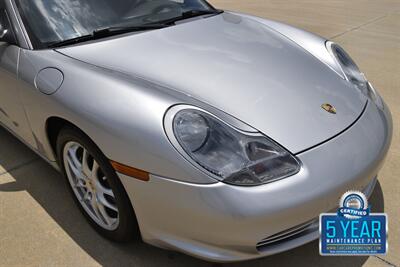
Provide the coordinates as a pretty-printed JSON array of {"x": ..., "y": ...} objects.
[{"x": 52, "y": 21}]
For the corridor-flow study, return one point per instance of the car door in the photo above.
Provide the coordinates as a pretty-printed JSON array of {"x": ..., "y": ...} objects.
[{"x": 12, "y": 113}]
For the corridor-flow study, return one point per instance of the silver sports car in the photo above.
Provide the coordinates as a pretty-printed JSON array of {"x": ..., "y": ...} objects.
[{"x": 217, "y": 134}]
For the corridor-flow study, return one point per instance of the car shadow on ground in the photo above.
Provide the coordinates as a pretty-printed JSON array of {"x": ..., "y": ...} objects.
[{"x": 49, "y": 189}]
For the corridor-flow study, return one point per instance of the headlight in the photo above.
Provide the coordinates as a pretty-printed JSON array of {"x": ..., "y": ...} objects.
[
  {"x": 233, "y": 156},
  {"x": 352, "y": 73}
]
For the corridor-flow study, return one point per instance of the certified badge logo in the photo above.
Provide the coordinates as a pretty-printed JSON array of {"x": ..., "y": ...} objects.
[
  {"x": 353, "y": 205},
  {"x": 353, "y": 230}
]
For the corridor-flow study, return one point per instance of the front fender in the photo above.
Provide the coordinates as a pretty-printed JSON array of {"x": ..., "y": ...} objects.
[{"x": 121, "y": 114}]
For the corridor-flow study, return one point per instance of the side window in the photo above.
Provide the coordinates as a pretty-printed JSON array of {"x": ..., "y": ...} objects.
[{"x": 6, "y": 31}]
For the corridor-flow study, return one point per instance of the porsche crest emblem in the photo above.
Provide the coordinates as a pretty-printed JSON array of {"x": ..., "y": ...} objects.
[{"x": 329, "y": 108}]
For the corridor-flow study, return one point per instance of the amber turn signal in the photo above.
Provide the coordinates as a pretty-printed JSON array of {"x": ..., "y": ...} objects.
[{"x": 130, "y": 171}]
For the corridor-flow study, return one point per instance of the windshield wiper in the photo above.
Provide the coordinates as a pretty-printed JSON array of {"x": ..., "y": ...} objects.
[
  {"x": 107, "y": 32},
  {"x": 191, "y": 14}
]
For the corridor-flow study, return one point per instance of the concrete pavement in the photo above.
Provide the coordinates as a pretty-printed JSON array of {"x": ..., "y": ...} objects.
[{"x": 40, "y": 225}]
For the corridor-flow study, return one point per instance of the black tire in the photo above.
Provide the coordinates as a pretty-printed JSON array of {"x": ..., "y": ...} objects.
[{"x": 127, "y": 229}]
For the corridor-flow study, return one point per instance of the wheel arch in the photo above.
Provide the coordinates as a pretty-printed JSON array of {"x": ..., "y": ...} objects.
[{"x": 53, "y": 127}]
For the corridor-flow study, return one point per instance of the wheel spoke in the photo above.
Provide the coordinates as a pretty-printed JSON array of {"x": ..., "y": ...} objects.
[
  {"x": 100, "y": 211},
  {"x": 95, "y": 207},
  {"x": 95, "y": 170},
  {"x": 101, "y": 189},
  {"x": 76, "y": 167},
  {"x": 77, "y": 171},
  {"x": 85, "y": 166},
  {"x": 102, "y": 200},
  {"x": 74, "y": 159},
  {"x": 104, "y": 214}
]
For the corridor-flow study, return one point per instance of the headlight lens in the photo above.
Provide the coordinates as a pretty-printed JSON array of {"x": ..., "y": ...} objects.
[
  {"x": 235, "y": 157},
  {"x": 352, "y": 73}
]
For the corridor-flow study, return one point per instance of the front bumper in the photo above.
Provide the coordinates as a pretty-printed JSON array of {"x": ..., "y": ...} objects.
[{"x": 225, "y": 223}]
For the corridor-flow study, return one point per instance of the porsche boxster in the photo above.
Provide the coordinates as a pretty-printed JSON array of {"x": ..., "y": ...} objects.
[{"x": 214, "y": 133}]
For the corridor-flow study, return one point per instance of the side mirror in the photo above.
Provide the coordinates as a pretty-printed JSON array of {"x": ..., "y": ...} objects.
[{"x": 6, "y": 33}]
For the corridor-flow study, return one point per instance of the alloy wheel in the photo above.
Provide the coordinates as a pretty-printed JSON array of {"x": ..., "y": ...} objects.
[{"x": 90, "y": 186}]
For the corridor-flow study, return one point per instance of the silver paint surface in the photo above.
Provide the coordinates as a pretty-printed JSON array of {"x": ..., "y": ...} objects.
[
  {"x": 242, "y": 67},
  {"x": 227, "y": 221},
  {"x": 250, "y": 72}
]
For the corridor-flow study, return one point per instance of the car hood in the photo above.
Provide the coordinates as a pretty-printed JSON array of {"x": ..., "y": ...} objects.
[{"x": 241, "y": 67}]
